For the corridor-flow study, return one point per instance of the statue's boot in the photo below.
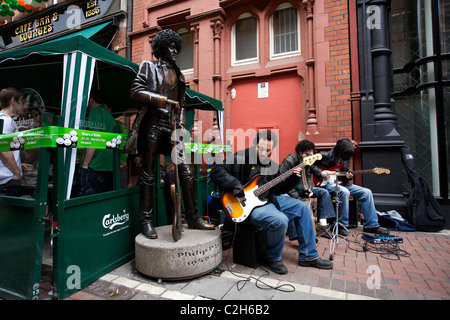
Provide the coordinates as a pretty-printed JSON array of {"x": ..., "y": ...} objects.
[
  {"x": 146, "y": 207},
  {"x": 147, "y": 225}
]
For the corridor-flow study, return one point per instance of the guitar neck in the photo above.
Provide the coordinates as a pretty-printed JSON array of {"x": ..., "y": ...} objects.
[
  {"x": 272, "y": 183},
  {"x": 340, "y": 174}
]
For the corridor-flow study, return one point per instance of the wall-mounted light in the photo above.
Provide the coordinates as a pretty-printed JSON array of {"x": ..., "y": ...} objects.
[{"x": 233, "y": 93}]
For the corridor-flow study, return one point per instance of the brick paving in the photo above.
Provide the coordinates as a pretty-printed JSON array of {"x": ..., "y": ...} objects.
[{"x": 420, "y": 272}]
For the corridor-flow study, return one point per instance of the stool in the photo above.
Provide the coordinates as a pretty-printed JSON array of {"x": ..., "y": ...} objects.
[{"x": 249, "y": 247}]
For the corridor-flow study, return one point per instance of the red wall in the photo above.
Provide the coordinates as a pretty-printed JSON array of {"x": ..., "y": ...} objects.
[{"x": 282, "y": 110}]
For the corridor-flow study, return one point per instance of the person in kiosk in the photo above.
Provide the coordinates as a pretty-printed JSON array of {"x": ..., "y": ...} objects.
[
  {"x": 96, "y": 171},
  {"x": 280, "y": 209},
  {"x": 11, "y": 100},
  {"x": 340, "y": 156},
  {"x": 160, "y": 85}
]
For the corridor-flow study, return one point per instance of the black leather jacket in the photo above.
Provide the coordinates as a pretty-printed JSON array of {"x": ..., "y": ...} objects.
[
  {"x": 328, "y": 161},
  {"x": 146, "y": 88},
  {"x": 240, "y": 168}
]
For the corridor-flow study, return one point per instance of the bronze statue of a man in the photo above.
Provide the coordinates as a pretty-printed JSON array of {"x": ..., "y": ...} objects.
[{"x": 159, "y": 85}]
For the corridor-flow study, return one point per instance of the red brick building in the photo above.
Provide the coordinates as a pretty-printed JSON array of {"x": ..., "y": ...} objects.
[{"x": 300, "y": 50}]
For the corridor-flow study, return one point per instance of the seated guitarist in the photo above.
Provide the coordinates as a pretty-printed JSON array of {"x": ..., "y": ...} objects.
[
  {"x": 340, "y": 155},
  {"x": 305, "y": 189},
  {"x": 274, "y": 216}
]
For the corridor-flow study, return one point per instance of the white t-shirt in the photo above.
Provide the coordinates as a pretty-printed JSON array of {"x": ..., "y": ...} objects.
[{"x": 9, "y": 126}]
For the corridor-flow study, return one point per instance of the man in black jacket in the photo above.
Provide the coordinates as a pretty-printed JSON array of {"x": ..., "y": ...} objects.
[
  {"x": 306, "y": 188},
  {"x": 280, "y": 208},
  {"x": 340, "y": 156}
]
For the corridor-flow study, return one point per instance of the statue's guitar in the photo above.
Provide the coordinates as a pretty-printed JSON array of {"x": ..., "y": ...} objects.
[{"x": 238, "y": 211}]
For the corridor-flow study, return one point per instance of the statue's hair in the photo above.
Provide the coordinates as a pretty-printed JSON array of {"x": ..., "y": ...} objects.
[{"x": 163, "y": 39}]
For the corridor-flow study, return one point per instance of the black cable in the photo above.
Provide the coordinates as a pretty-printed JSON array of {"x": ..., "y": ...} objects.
[
  {"x": 385, "y": 249},
  {"x": 241, "y": 283}
]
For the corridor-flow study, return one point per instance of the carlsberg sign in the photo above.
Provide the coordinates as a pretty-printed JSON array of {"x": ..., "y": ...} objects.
[{"x": 115, "y": 222}]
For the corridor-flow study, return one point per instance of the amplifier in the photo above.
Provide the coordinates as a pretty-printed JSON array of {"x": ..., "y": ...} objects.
[{"x": 249, "y": 246}]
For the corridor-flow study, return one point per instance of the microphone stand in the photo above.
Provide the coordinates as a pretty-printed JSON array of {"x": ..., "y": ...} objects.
[{"x": 335, "y": 231}]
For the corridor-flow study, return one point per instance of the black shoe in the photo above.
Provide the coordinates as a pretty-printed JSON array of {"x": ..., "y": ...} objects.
[
  {"x": 377, "y": 230},
  {"x": 343, "y": 230},
  {"x": 278, "y": 267},
  {"x": 319, "y": 263}
]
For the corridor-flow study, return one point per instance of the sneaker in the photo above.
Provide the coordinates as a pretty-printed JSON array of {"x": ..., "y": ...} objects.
[
  {"x": 377, "y": 230},
  {"x": 319, "y": 263},
  {"x": 278, "y": 267}
]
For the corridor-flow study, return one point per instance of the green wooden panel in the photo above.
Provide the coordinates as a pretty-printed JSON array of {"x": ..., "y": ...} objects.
[
  {"x": 22, "y": 228},
  {"x": 95, "y": 235},
  {"x": 17, "y": 243}
]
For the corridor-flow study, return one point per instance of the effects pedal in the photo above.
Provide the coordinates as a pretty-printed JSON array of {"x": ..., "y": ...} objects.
[{"x": 377, "y": 239}]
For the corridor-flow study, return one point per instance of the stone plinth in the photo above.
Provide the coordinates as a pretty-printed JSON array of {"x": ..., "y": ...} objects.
[{"x": 198, "y": 252}]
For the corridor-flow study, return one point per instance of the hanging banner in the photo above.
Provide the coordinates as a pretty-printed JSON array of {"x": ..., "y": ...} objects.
[
  {"x": 202, "y": 148},
  {"x": 60, "y": 137}
]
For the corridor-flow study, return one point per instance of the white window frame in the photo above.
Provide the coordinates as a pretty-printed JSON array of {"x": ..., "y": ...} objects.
[
  {"x": 181, "y": 32},
  {"x": 235, "y": 62},
  {"x": 297, "y": 52}
]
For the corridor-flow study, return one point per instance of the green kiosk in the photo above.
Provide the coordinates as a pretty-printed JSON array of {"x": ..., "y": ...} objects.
[{"x": 91, "y": 235}]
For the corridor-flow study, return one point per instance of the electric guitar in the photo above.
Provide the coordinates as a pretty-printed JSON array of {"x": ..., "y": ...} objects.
[
  {"x": 238, "y": 211},
  {"x": 318, "y": 182}
]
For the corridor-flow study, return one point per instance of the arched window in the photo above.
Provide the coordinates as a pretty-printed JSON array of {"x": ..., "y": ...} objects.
[
  {"x": 185, "y": 58},
  {"x": 244, "y": 40},
  {"x": 284, "y": 31}
]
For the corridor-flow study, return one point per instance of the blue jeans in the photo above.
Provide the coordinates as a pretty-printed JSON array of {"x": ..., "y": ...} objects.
[
  {"x": 360, "y": 193},
  {"x": 275, "y": 222},
  {"x": 325, "y": 208}
]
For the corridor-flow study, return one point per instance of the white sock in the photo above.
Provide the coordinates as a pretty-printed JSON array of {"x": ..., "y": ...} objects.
[{"x": 323, "y": 222}]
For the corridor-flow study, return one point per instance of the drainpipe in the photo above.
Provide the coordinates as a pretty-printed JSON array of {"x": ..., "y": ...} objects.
[{"x": 129, "y": 27}]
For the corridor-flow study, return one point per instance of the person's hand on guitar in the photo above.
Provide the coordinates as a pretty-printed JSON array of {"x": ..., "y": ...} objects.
[
  {"x": 349, "y": 175},
  {"x": 297, "y": 171},
  {"x": 325, "y": 175},
  {"x": 309, "y": 193},
  {"x": 240, "y": 196}
]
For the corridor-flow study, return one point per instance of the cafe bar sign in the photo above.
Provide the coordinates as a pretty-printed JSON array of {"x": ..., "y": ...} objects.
[
  {"x": 36, "y": 28},
  {"x": 51, "y": 21}
]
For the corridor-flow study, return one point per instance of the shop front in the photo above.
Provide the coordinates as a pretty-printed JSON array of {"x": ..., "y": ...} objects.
[{"x": 90, "y": 235}]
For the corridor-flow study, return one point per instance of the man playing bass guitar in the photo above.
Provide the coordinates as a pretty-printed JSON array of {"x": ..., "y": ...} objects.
[{"x": 280, "y": 209}]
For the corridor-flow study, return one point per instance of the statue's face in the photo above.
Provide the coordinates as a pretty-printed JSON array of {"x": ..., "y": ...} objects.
[{"x": 170, "y": 53}]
